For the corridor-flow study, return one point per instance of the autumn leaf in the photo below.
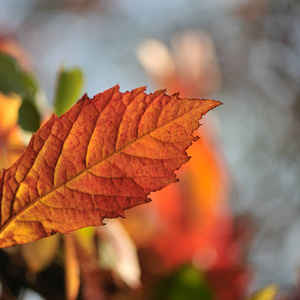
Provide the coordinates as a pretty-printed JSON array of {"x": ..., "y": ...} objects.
[
  {"x": 105, "y": 155},
  {"x": 196, "y": 211},
  {"x": 11, "y": 146}
]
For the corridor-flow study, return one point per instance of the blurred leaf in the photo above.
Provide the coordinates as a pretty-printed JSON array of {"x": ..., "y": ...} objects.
[
  {"x": 267, "y": 293},
  {"x": 118, "y": 253},
  {"x": 194, "y": 210},
  {"x": 90, "y": 273},
  {"x": 29, "y": 116},
  {"x": 39, "y": 255},
  {"x": 11, "y": 146},
  {"x": 85, "y": 237},
  {"x": 72, "y": 267},
  {"x": 186, "y": 283},
  {"x": 68, "y": 90},
  {"x": 11, "y": 47},
  {"x": 13, "y": 78}
]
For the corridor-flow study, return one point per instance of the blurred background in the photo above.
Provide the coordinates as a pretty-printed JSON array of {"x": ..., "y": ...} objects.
[{"x": 232, "y": 224}]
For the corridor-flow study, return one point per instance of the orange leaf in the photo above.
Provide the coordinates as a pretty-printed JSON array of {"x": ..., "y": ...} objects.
[
  {"x": 105, "y": 155},
  {"x": 72, "y": 268},
  {"x": 11, "y": 146}
]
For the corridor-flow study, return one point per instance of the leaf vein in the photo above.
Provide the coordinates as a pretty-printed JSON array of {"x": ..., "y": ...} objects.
[
  {"x": 99, "y": 162},
  {"x": 62, "y": 146}
]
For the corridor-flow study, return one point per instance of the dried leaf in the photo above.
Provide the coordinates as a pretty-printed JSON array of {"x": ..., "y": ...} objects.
[{"x": 103, "y": 156}]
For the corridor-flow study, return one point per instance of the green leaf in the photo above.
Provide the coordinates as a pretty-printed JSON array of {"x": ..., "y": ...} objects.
[
  {"x": 29, "y": 116},
  {"x": 185, "y": 283},
  {"x": 68, "y": 90},
  {"x": 14, "y": 79}
]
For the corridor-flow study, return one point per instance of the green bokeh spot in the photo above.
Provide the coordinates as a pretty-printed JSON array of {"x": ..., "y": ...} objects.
[
  {"x": 185, "y": 283},
  {"x": 68, "y": 89}
]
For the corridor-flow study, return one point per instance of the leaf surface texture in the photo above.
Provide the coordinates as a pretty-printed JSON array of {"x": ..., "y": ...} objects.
[{"x": 104, "y": 155}]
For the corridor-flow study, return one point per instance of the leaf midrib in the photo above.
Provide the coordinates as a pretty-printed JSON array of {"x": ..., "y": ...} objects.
[{"x": 14, "y": 218}]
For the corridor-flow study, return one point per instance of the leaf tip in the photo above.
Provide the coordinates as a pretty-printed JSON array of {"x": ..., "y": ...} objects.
[
  {"x": 217, "y": 103},
  {"x": 139, "y": 90},
  {"x": 176, "y": 95},
  {"x": 115, "y": 88}
]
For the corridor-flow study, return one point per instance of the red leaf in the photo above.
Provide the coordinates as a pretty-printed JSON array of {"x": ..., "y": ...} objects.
[{"x": 106, "y": 154}]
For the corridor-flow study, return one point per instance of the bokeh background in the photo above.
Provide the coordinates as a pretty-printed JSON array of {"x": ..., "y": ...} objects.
[{"x": 245, "y": 53}]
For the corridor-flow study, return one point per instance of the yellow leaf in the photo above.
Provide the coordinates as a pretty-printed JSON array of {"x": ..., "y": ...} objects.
[{"x": 267, "y": 293}]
